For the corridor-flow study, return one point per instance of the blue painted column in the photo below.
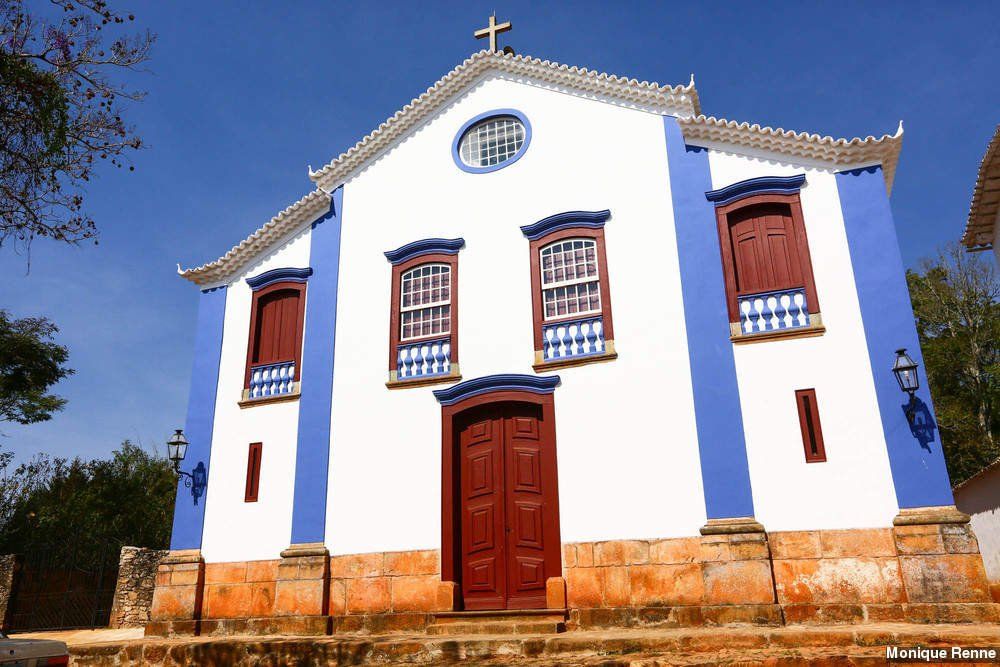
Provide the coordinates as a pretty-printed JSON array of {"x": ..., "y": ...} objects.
[
  {"x": 915, "y": 456},
  {"x": 718, "y": 414},
  {"x": 189, "y": 505},
  {"x": 312, "y": 454}
]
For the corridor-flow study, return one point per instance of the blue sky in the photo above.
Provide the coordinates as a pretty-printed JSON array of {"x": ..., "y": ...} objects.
[{"x": 242, "y": 96}]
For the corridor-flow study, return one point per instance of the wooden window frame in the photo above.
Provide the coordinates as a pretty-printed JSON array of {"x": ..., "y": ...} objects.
[
  {"x": 254, "y": 314},
  {"x": 722, "y": 214},
  {"x": 254, "y": 458},
  {"x": 810, "y": 426},
  {"x": 395, "y": 309},
  {"x": 537, "y": 307}
]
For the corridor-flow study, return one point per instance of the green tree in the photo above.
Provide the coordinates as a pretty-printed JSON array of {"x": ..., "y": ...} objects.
[
  {"x": 30, "y": 363},
  {"x": 61, "y": 112},
  {"x": 955, "y": 302},
  {"x": 87, "y": 505}
]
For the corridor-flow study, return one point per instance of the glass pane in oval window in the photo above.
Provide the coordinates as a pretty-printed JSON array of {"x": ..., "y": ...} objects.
[{"x": 492, "y": 141}]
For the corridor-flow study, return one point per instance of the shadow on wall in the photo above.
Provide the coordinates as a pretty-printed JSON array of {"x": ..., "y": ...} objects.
[{"x": 921, "y": 421}]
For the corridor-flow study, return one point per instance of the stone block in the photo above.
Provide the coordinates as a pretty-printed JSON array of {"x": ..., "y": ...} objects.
[
  {"x": 959, "y": 539},
  {"x": 585, "y": 587},
  {"x": 299, "y": 597},
  {"x": 621, "y": 552},
  {"x": 919, "y": 539},
  {"x": 186, "y": 577},
  {"x": 555, "y": 593},
  {"x": 225, "y": 573},
  {"x": 227, "y": 600},
  {"x": 714, "y": 548},
  {"x": 871, "y": 542},
  {"x": 569, "y": 555},
  {"x": 585, "y": 554},
  {"x": 738, "y": 582},
  {"x": 337, "y": 605},
  {"x": 175, "y": 603},
  {"x": 401, "y": 563},
  {"x": 666, "y": 584},
  {"x": 368, "y": 595},
  {"x": 414, "y": 593},
  {"x": 752, "y": 546},
  {"x": 262, "y": 597},
  {"x": 262, "y": 570},
  {"x": 356, "y": 565},
  {"x": 617, "y": 591},
  {"x": 673, "y": 551},
  {"x": 945, "y": 578},
  {"x": 447, "y": 596},
  {"x": 838, "y": 581},
  {"x": 795, "y": 544}
]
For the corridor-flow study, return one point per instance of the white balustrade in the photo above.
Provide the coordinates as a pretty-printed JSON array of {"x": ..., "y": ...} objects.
[
  {"x": 773, "y": 311},
  {"x": 423, "y": 359},
  {"x": 271, "y": 379},
  {"x": 573, "y": 338}
]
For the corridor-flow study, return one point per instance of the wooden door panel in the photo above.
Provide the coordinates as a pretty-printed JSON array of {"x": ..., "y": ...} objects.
[
  {"x": 765, "y": 252},
  {"x": 525, "y": 510},
  {"x": 483, "y": 514}
]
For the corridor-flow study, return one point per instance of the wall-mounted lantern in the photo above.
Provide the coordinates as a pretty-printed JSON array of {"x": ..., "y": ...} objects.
[
  {"x": 176, "y": 451},
  {"x": 905, "y": 370}
]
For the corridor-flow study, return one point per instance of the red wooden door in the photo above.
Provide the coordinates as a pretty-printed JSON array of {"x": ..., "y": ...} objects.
[
  {"x": 508, "y": 508},
  {"x": 764, "y": 249}
]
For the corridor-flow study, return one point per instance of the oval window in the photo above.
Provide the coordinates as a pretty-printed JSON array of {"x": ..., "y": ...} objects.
[{"x": 488, "y": 143}]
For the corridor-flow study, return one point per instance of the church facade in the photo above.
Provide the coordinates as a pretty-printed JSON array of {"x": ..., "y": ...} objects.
[{"x": 550, "y": 339}]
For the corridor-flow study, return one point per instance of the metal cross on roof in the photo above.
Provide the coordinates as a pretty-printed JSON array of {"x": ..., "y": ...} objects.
[{"x": 492, "y": 30}]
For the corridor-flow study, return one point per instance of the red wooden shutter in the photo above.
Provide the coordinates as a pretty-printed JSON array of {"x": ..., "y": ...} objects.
[
  {"x": 765, "y": 252},
  {"x": 277, "y": 328},
  {"x": 253, "y": 472},
  {"x": 812, "y": 432}
]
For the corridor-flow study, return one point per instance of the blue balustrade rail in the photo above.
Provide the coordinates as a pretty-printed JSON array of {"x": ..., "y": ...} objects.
[
  {"x": 424, "y": 358},
  {"x": 573, "y": 338},
  {"x": 773, "y": 311},
  {"x": 271, "y": 379}
]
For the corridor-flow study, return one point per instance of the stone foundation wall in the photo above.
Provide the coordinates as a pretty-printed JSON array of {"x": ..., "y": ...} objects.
[
  {"x": 373, "y": 583},
  {"x": 8, "y": 566},
  {"x": 923, "y": 573},
  {"x": 134, "y": 590}
]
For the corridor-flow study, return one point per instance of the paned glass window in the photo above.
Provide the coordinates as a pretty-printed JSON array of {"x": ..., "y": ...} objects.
[
  {"x": 492, "y": 141},
  {"x": 570, "y": 281},
  {"x": 425, "y": 301}
]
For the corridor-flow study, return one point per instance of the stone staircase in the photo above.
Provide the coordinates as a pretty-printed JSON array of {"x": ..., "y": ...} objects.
[
  {"x": 503, "y": 622},
  {"x": 746, "y": 646}
]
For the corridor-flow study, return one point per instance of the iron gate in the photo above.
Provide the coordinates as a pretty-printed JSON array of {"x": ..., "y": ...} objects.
[{"x": 71, "y": 585}]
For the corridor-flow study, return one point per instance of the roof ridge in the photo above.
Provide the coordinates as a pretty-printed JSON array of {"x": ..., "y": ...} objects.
[
  {"x": 846, "y": 152},
  {"x": 674, "y": 98}
]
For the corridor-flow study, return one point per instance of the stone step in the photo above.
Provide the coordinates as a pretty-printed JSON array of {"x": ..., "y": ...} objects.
[
  {"x": 507, "y": 627},
  {"x": 500, "y": 615}
]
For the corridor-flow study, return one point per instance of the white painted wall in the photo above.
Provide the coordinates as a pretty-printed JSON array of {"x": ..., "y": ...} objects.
[
  {"x": 627, "y": 451},
  {"x": 853, "y": 488},
  {"x": 980, "y": 498},
  {"x": 237, "y": 530}
]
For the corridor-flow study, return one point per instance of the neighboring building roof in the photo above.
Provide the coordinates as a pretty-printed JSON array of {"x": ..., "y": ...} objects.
[
  {"x": 979, "y": 229},
  {"x": 681, "y": 101},
  {"x": 843, "y": 153},
  {"x": 979, "y": 474}
]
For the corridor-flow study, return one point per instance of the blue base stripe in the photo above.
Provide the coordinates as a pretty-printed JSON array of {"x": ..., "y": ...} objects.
[
  {"x": 718, "y": 414},
  {"x": 189, "y": 506},
  {"x": 915, "y": 456}
]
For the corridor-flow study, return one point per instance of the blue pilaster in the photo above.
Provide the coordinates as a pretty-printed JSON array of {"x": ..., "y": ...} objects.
[
  {"x": 312, "y": 454},
  {"x": 718, "y": 415},
  {"x": 189, "y": 505},
  {"x": 915, "y": 456}
]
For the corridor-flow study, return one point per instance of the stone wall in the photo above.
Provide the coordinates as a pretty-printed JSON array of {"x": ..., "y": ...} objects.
[
  {"x": 8, "y": 566},
  {"x": 134, "y": 591},
  {"x": 915, "y": 573}
]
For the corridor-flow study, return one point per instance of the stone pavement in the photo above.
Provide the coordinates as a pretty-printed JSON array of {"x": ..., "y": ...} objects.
[{"x": 743, "y": 645}]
